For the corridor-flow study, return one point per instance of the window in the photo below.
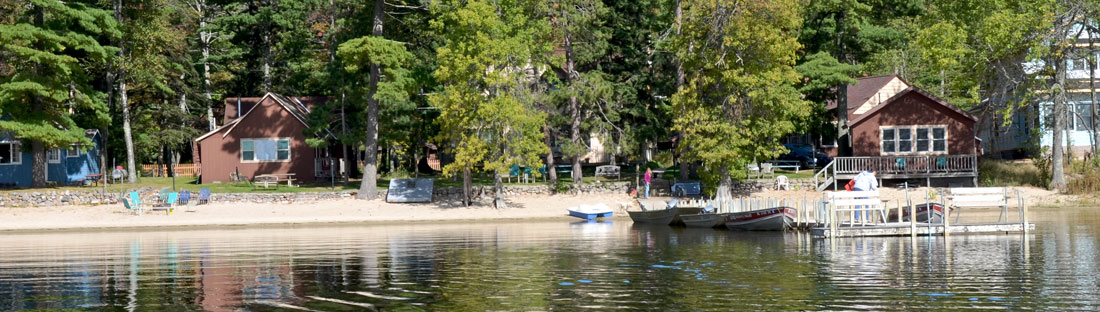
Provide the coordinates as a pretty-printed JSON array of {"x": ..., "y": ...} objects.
[
  {"x": 73, "y": 151},
  {"x": 53, "y": 156},
  {"x": 10, "y": 154},
  {"x": 905, "y": 140},
  {"x": 263, "y": 150},
  {"x": 939, "y": 139},
  {"x": 888, "y": 143},
  {"x": 923, "y": 140},
  {"x": 914, "y": 139},
  {"x": 1084, "y": 117}
]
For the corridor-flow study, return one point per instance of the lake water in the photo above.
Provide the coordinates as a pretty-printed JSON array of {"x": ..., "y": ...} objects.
[{"x": 550, "y": 265}]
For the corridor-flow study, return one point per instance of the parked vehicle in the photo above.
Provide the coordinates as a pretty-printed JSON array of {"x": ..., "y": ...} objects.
[{"x": 805, "y": 155}]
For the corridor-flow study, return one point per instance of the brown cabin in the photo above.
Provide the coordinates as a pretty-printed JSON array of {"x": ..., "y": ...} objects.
[
  {"x": 903, "y": 132},
  {"x": 261, "y": 136}
]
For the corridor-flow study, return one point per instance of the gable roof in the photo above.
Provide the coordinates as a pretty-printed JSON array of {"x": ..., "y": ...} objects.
[
  {"x": 295, "y": 106},
  {"x": 866, "y": 88},
  {"x": 899, "y": 95}
]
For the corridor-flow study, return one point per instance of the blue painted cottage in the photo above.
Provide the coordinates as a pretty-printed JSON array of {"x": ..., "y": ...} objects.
[{"x": 64, "y": 166}]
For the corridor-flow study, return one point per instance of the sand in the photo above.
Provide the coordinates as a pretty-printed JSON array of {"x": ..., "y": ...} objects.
[
  {"x": 334, "y": 211},
  {"x": 375, "y": 211}
]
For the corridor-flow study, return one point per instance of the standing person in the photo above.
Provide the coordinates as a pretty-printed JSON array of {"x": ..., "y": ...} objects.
[
  {"x": 647, "y": 178},
  {"x": 865, "y": 181}
]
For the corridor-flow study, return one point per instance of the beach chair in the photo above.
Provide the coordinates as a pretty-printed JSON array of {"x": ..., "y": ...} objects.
[
  {"x": 513, "y": 172},
  {"x": 782, "y": 183},
  {"x": 133, "y": 209},
  {"x": 766, "y": 168},
  {"x": 135, "y": 202},
  {"x": 204, "y": 196},
  {"x": 162, "y": 197},
  {"x": 185, "y": 197},
  {"x": 168, "y": 203}
]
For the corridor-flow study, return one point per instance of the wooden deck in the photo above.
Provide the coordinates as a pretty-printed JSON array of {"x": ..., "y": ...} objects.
[
  {"x": 923, "y": 229},
  {"x": 926, "y": 167}
]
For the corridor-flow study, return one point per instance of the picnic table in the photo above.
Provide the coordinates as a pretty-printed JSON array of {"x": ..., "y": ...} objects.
[
  {"x": 786, "y": 164},
  {"x": 565, "y": 168},
  {"x": 95, "y": 178},
  {"x": 289, "y": 177}
]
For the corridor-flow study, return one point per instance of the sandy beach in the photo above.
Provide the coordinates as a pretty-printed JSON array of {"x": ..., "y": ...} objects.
[{"x": 359, "y": 211}]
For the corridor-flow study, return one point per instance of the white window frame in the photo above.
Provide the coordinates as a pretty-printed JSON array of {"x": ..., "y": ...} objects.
[
  {"x": 15, "y": 153},
  {"x": 288, "y": 150},
  {"x": 894, "y": 140},
  {"x": 913, "y": 140},
  {"x": 73, "y": 151},
  {"x": 53, "y": 156}
]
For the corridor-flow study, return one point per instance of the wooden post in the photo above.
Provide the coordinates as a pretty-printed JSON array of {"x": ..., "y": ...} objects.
[
  {"x": 833, "y": 219},
  {"x": 899, "y": 211},
  {"x": 946, "y": 224},
  {"x": 913, "y": 220},
  {"x": 1023, "y": 213}
]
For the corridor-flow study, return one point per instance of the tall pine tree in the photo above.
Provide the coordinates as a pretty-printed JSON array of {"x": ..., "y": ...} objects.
[{"x": 52, "y": 52}]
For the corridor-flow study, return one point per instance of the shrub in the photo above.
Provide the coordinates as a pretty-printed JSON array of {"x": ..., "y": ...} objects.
[{"x": 1007, "y": 173}]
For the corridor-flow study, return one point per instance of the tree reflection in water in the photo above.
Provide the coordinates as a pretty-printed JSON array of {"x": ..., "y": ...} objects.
[{"x": 548, "y": 265}]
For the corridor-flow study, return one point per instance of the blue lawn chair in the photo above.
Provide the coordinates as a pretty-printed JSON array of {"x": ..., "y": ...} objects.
[
  {"x": 135, "y": 202},
  {"x": 126, "y": 202},
  {"x": 204, "y": 196},
  {"x": 185, "y": 197},
  {"x": 172, "y": 197},
  {"x": 162, "y": 197}
]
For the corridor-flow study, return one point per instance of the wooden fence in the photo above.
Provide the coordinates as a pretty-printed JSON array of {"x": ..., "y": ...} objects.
[{"x": 182, "y": 170}]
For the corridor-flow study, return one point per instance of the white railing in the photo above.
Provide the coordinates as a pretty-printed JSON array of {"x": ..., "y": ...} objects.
[{"x": 907, "y": 165}]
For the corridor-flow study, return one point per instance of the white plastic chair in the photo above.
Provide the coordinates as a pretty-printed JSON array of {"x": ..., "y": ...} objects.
[{"x": 781, "y": 183}]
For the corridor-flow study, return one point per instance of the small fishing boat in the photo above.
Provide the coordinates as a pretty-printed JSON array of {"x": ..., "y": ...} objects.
[
  {"x": 770, "y": 219},
  {"x": 669, "y": 215},
  {"x": 922, "y": 213},
  {"x": 589, "y": 212},
  {"x": 704, "y": 220}
]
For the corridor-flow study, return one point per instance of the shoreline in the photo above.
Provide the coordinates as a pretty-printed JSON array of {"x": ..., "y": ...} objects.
[{"x": 348, "y": 211}]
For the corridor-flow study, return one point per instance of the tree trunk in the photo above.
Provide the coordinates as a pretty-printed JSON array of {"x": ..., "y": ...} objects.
[
  {"x": 267, "y": 61},
  {"x": 167, "y": 159},
  {"x": 205, "y": 39},
  {"x": 124, "y": 103},
  {"x": 1092, "y": 95},
  {"x": 368, "y": 189},
  {"x": 684, "y": 169},
  {"x": 498, "y": 190},
  {"x": 467, "y": 182},
  {"x": 38, "y": 164},
  {"x": 1057, "y": 179},
  {"x": 574, "y": 106},
  {"x": 725, "y": 184},
  {"x": 551, "y": 173}
]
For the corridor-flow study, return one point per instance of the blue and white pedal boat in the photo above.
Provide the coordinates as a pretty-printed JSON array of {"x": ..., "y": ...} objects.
[{"x": 589, "y": 212}]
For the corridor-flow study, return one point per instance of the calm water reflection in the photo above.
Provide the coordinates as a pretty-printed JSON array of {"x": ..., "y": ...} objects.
[{"x": 550, "y": 266}]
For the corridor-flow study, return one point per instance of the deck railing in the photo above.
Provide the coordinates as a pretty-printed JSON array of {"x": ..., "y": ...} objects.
[{"x": 907, "y": 165}]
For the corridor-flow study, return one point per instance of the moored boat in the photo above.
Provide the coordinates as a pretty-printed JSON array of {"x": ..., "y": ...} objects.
[
  {"x": 589, "y": 212},
  {"x": 670, "y": 215},
  {"x": 922, "y": 213},
  {"x": 663, "y": 216},
  {"x": 770, "y": 219},
  {"x": 704, "y": 220}
]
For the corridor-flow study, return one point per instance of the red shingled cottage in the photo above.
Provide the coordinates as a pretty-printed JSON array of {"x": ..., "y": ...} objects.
[
  {"x": 903, "y": 133},
  {"x": 264, "y": 135}
]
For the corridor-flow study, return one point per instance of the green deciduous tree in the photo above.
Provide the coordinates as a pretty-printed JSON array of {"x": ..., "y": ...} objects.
[
  {"x": 739, "y": 95},
  {"x": 487, "y": 64},
  {"x": 50, "y": 54}
]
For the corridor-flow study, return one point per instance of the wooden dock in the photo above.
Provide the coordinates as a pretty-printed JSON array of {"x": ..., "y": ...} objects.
[{"x": 905, "y": 229}]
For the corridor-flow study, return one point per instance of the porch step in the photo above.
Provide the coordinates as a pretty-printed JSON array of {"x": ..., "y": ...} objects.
[{"x": 824, "y": 185}]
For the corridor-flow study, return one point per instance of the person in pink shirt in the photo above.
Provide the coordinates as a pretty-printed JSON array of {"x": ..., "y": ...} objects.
[{"x": 647, "y": 178}]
